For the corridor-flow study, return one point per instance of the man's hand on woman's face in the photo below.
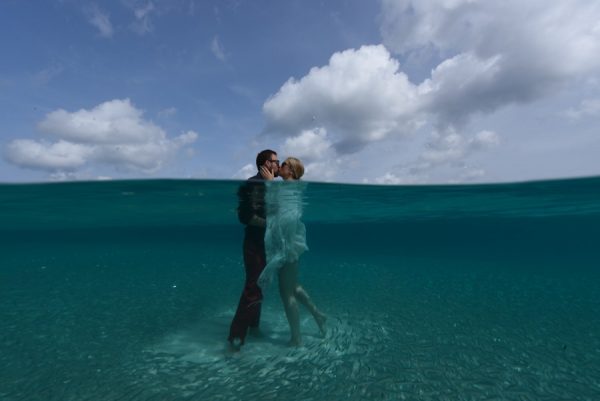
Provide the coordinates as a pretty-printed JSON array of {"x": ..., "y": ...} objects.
[{"x": 266, "y": 173}]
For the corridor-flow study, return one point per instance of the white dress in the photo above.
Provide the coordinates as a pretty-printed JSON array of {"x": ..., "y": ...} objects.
[{"x": 285, "y": 237}]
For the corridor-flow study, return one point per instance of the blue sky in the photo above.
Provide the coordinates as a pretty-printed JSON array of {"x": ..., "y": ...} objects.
[{"x": 391, "y": 91}]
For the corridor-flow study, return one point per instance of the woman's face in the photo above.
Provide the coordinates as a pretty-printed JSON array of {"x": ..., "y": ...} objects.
[{"x": 285, "y": 171}]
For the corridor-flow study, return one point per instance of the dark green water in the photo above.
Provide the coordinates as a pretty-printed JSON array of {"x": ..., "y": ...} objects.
[{"x": 125, "y": 290}]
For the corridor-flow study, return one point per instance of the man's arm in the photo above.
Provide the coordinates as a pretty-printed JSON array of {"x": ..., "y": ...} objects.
[
  {"x": 257, "y": 221},
  {"x": 251, "y": 204}
]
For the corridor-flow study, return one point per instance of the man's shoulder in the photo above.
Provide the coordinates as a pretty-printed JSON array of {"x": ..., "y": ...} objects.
[
  {"x": 256, "y": 177},
  {"x": 251, "y": 184}
]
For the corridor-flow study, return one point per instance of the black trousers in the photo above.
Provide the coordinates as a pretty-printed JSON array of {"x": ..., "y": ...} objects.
[{"x": 248, "y": 310}]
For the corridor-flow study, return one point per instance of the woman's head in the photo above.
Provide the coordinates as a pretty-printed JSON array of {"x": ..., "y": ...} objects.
[{"x": 291, "y": 168}]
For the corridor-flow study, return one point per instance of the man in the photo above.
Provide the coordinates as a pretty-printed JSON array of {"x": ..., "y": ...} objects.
[{"x": 251, "y": 213}]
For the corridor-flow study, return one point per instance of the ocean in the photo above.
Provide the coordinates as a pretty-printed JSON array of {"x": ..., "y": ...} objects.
[{"x": 124, "y": 290}]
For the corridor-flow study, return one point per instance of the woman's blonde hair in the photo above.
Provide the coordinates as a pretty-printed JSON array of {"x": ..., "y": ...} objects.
[{"x": 296, "y": 166}]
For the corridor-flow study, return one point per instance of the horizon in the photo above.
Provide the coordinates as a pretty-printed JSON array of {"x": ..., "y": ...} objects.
[
  {"x": 242, "y": 180},
  {"x": 388, "y": 92}
]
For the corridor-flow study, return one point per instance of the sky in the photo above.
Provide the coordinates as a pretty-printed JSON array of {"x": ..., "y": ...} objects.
[{"x": 375, "y": 92}]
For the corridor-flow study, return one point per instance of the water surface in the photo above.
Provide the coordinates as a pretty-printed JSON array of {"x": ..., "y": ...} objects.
[{"x": 124, "y": 291}]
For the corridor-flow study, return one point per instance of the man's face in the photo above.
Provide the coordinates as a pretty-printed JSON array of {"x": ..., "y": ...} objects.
[{"x": 273, "y": 165}]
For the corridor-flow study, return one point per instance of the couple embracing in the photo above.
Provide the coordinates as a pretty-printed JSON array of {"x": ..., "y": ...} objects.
[{"x": 274, "y": 239}]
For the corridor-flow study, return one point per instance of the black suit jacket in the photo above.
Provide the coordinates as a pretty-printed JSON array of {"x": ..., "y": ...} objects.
[{"x": 251, "y": 196}]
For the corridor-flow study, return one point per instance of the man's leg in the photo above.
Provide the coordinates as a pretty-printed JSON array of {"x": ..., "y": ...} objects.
[{"x": 249, "y": 307}]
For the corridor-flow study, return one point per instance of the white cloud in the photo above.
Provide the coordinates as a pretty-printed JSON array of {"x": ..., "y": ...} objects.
[
  {"x": 149, "y": 156},
  {"x": 245, "y": 172},
  {"x": 444, "y": 148},
  {"x": 112, "y": 133},
  {"x": 451, "y": 147},
  {"x": 143, "y": 22},
  {"x": 143, "y": 11},
  {"x": 316, "y": 152},
  {"x": 61, "y": 155},
  {"x": 510, "y": 27},
  {"x": 116, "y": 121},
  {"x": 394, "y": 179},
  {"x": 77, "y": 176},
  {"x": 495, "y": 53},
  {"x": 168, "y": 112},
  {"x": 472, "y": 174},
  {"x": 309, "y": 145},
  {"x": 217, "y": 49},
  {"x": 322, "y": 170},
  {"x": 482, "y": 56},
  {"x": 362, "y": 97},
  {"x": 448, "y": 156},
  {"x": 359, "y": 97},
  {"x": 100, "y": 20},
  {"x": 484, "y": 140},
  {"x": 448, "y": 150}
]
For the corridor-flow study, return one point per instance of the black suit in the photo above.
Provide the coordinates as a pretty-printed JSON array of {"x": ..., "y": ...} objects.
[{"x": 251, "y": 197}]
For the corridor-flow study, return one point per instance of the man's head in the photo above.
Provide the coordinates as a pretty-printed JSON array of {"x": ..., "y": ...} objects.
[{"x": 268, "y": 158}]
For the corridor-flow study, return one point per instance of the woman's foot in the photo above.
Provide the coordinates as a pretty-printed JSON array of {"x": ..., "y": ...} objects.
[
  {"x": 294, "y": 343},
  {"x": 321, "y": 318}
]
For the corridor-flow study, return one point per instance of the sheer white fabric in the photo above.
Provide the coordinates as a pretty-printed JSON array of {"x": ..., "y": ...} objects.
[{"x": 285, "y": 237}]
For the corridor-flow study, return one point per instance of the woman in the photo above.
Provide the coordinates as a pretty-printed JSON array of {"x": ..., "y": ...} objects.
[{"x": 285, "y": 241}]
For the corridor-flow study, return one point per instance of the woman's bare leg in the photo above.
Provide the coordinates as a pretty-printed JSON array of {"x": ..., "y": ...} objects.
[
  {"x": 288, "y": 281},
  {"x": 303, "y": 297}
]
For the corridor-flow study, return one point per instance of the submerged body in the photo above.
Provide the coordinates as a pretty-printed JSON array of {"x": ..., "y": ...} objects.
[
  {"x": 285, "y": 242},
  {"x": 285, "y": 237},
  {"x": 251, "y": 207}
]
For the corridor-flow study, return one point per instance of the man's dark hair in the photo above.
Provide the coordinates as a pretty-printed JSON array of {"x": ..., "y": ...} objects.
[{"x": 263, "y": 156}]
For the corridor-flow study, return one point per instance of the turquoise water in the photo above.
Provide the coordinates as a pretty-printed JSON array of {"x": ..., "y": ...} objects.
[{"x": 125, "y": 290}]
